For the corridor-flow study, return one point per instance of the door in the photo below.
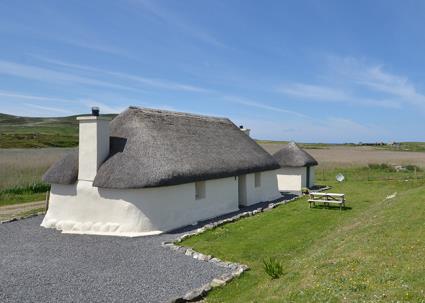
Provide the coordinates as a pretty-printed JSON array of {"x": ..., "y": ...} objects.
[
  {"x": 308, "y": 177},
  {"x": 242, "y": 189}
]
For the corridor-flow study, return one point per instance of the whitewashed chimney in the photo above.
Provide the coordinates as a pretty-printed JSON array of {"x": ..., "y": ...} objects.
[
  {"x": 245, "y": 130},
  {"x": 93, "y": 144}
]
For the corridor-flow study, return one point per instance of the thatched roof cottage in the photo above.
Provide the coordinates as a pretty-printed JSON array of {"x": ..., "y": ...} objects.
[
  {"x": 297, "y": 168},
  {"x": 148, "y": 171}
]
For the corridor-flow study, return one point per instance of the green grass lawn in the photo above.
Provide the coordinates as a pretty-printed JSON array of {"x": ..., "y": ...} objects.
[{"x": 372, "y": 252}]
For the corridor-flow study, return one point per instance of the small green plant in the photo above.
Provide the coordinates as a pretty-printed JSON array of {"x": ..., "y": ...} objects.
[{"x": 273, "y": 268}]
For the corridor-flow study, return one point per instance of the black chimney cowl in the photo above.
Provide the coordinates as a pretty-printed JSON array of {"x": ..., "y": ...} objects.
[
  {"x": 241, "y": 126},
  {"x": 95, "y": 111}
]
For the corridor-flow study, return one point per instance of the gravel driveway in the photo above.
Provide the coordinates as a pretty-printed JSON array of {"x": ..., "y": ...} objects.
[{"x": 43, "y": 265}]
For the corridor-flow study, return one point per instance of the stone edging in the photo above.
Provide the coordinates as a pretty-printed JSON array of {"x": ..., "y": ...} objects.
[
  {"x": 237, "y": 268},
  {"x": 22, "y": 218}
]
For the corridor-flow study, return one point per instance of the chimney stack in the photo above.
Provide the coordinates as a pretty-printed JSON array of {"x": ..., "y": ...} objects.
[
  {"x": 245, "y": 130},
  {"x": 95, "y": 111},
  {"x": 93, "y": 147}
]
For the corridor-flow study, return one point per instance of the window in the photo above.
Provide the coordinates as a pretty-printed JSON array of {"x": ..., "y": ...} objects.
[
  {"x": 199, "y": 190},
  {"x": 257, "y": 177}
]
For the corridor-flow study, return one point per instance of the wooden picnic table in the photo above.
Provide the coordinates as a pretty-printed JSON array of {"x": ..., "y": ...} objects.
[{"x": 326, "y": 199}]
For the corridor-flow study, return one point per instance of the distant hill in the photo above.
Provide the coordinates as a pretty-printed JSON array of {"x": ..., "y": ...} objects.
[
  {"x": 27, "y": 132},
  {"x": 35, "y": 132}
]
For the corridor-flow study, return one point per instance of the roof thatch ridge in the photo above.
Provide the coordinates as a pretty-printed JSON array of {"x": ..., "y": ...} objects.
[
  {"x": 177, "y": 113},
  {"x": 292, "y": 155}
]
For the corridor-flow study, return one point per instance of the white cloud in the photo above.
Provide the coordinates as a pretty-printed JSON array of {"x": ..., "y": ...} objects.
[
  {"x": 20, "y": 95},
  {"x": 324, "y": 129},
  {"x": 312, "y": 91},
  {"x": 327, "y": 94},
  {"x": 256, "y": 104},
  {"x": 48, "y": 108},
  {"x": 180, "y": 23},
  {"x": 328, "y": 129},
  {"x": 153, "y": 82},
  {"x": 77, "y": 34},
  {"x": 372, "y": 77},
  {"x": 48, "y": 75},
  {"x": 95, "y": 46},
  {"x": 394, "y": 85},
  {"x": 352, "y": 82},
  {"x": 161, "y": 83}
]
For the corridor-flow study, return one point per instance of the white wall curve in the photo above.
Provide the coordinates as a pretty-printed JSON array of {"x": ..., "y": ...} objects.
[{"x": 82, "y": 208}]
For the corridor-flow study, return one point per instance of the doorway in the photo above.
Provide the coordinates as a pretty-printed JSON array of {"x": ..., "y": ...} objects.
[
  {"x": 242, "y": 190},
  {"x": 307, "y": 183}
]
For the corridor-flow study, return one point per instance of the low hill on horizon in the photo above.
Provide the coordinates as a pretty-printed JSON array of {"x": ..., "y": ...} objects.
[{"x": 38, "y": 132}]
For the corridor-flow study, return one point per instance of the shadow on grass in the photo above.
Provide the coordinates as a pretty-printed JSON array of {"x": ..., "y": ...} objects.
[
  {"x": 317, "y": 187},
  {"x": 331, "y": 207}
]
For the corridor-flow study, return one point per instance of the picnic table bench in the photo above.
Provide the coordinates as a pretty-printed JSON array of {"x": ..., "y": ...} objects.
[{"x": 326, "y": 199}]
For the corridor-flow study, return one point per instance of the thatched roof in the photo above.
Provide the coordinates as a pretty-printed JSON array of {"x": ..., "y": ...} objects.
[
  {"x": 152, "y": 148},
  {"x": 64, "y": 171},
  {"x": 293, "y": 156}
]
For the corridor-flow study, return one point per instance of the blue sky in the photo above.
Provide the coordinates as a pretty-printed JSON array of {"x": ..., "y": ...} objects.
[{"x": 310, "y": 71}]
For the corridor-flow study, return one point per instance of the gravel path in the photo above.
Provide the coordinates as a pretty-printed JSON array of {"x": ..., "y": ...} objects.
[
  {"x": 43, "y": 265},
  {"x": 11, "y": 211}
]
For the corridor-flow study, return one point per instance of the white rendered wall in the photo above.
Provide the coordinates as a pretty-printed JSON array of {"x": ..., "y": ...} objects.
[
  {"x": 291, "y": 179},
  {"x": 93, "y": 145},
  {"x": 82, "y": 208},
  {"x": 268, "y": 190}
]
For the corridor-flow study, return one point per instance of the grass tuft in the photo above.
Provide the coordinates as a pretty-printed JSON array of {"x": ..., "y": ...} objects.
[{"x": 273, "y": 268}]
